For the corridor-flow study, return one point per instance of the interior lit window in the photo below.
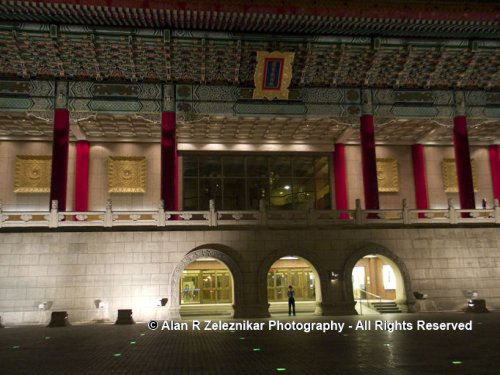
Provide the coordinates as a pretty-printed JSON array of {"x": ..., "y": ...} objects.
[
  {"x": 283, "y": 182},
  {"x": 389, "y": 277}
]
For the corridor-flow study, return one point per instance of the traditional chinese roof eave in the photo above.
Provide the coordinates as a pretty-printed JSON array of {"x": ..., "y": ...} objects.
[{"x": 396, "y": 18}]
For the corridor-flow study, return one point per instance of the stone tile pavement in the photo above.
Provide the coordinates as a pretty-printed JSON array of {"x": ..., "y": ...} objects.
[{"x": 135, "y": 349}]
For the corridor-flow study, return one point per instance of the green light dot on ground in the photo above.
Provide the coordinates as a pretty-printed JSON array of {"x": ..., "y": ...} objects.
[
  {"x": 280, "y": 369},
  {"x": 387, "y": 344},
  {"x": 457, "y": 362},
  {"x": 117, "y": 355},
  {"x": 132, "y": 342},
  {"x": 16, "y": 347},
  {"x": 142, "y": 334},
  {"x": 242, "y": 338},
  {"x": 47, "y": 337},
  {"x": 256, "y": 349}
]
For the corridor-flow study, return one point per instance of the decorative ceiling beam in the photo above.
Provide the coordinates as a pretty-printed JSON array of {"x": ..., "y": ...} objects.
[
  {"x": 347, "y": 134},
  {"x": 167, "y": 50},
  {"x": 98, "y": 75},
  {"x": 236, "y": 79},
  {"x": 426, "y": 137},
  {"x": 438, "y": 69},
  {"x": 78, "y": 132},
  {"x": 403, "y": 74},
  {"x": 24, "y": 70},
  {"x": 343, "y": 56},
  {"x": 133, "y": 77},
  {"x": 203, "y": 67},
  {"x": 309, "y": 51}
]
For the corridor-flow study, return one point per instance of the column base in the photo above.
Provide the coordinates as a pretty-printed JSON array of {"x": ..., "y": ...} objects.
[
  {"x": 162, "y": 313},
  {"x": 174, "y": 313},
  {"x": 251, "y": 311},
  {"x": 410, "y": 305},
  {"x": 335, "y": 309}
]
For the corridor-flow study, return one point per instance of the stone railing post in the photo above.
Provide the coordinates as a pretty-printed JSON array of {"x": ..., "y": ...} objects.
[
  {"x": 1, "y": 218},
  {"x": 452, "y": 212},
  {"x": 53, "y": 216},
  {"x": 108, "y": 215},
  {"x": 161, "y": 214},
  {"x": 358, "y": 215},
  {"x": 311, "y": 217},
  {"x": 212, "y": 221},
  {"x": 406, "y": 213},
  {"x": 496, "y": 209},
  {"x": 263, "y": 212}
]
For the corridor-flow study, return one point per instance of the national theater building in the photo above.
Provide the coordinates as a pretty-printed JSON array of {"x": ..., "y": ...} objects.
[{"x": 182, "y": 158}]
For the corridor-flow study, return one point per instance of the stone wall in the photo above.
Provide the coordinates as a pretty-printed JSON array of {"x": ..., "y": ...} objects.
[
  {"x": 134, "y": 269},
  {"x": 98, "y": 177}
]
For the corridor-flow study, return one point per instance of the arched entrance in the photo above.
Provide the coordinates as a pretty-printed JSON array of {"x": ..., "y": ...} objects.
[
  {"x": 206, "y": 288},
  {"x": 282, "y": 269},
  {"x": 378, "y": 281},
  {"x": 205, "y": 282}
]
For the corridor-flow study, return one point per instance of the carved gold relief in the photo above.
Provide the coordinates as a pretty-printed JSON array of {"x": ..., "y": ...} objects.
[
  {"x": 387, "y": 176},
  {"x": 126, "y": 174},
  {"x": 450, "y": 180},
  {"x": 33, "y": 173},
  {"x": 273, "y": 74}
]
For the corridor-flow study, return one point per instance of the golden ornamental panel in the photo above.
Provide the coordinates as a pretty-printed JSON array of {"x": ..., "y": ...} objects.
[
  {"x": 127, "y": 174},
  {"x": 387, "y": 176},
  {"x": 273, "y": 74},
  {"x": 33, "y": 173},
  {"x": 450, "y": 179}
]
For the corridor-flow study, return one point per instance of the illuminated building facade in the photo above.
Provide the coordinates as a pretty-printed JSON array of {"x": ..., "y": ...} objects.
[{"x": 142, "y": 140}]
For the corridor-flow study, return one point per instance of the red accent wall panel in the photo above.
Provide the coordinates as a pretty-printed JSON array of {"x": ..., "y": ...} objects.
[{"x": 82, "y": 176}]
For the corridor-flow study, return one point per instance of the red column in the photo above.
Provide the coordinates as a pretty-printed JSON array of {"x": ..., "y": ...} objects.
[
  {"x": 462, "y": 162},
  {"x": 419, "y": 179},
  {"x": 60, "y": 145},
  {"x": 169, "y": 177},
  {"x": 494, "y": 151},
  {"x": 82, "y": 176},
  {"x": 417, "y": 153},
  {"x": 340, "y": 181},
  {"x": 369, "y": 162}
]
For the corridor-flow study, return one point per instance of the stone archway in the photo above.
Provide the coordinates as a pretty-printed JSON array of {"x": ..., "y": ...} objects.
[
  {"x": 270, "y": 259},
  {"x": 375, "y": 249},
  {"x": 191, "y": 257}
]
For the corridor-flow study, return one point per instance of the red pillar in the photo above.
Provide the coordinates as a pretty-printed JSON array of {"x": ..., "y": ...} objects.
[
  {"x": 462, "y": 162},
  {"x": 340, "y": 181},
  {"x": 369, "y": 162},
  {"x": 60, "y": 145},
  {"x": 494, "y": 151},
  {"x": 82, "y": 176},
  {"x": 169, "y": 177},
  {"x": 419, "y": 179}
]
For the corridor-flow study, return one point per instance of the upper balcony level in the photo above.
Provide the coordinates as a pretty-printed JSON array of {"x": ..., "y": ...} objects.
[{"x": 263, "y": 217}]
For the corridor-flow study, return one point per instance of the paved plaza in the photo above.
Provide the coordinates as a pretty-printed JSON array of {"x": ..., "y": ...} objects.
[{"x": 136, "y": 349}]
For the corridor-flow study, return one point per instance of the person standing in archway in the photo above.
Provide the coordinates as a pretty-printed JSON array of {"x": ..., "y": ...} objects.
[{"x": 291, "y": 300}]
